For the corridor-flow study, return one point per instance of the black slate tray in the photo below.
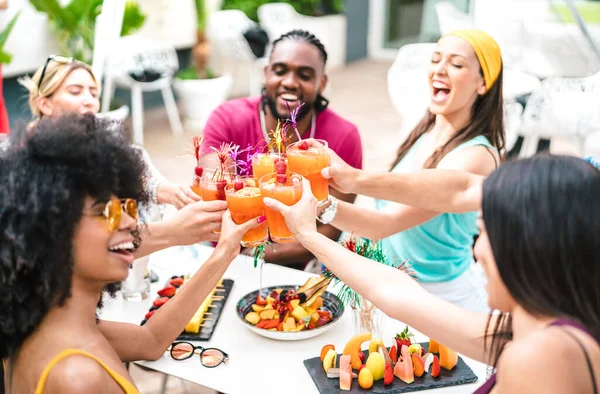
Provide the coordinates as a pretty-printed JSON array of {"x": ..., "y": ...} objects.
[
  {"x": 461, "y": 374},
  {"x": 208, "y": 326}
]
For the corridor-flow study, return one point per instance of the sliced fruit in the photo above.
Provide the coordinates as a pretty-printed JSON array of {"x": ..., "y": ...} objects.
[
  {"x": 260, "y": 300},
  {"x": 318, "y": 303},
  {"x": 280, "y": 326},
  {"x": 160, "y": 301},
  {"x": 448, "y": 358},
  {"x": 353, "y": 347},
  {"x": 270, "y": 300},
  {"x": 268, "y": 306},
  {"x": 404, "y": 368},
  {"x": 299, "y": 313},
  {"x": 403, "y": 338},
  {"x": 365, "y": 378},
  {"x": 334, "y": 373},
  {"x": 376, "y": 363},
  {"x": 252, "y": 318},
  {"x": 272, "y": 323},
  {"x": 388, "y": 375},
  {"x": 290, "y": 322},
  {"x": 267, "y": 314},
  {"x": 322, "y": 321},
  {"x": 149, "y": 314},
  {"x": 434, "y": 347},
  {"x": 393, "y": 354},
  {"x": 329, "y": 359},
  {"x": 374, "y": 345},
  {"x": 345, "y": 372},
  {"x": 262, "y": 324},
  {"x": 325, "y": 349},
  {"x": 386, "y": 355},
  {"x": 418, "y": 364},
  {"x": 314, "y": 317},
  {"x": 361, "y": 355},
  {"x": 257, "y": 308},
  {"x": 295, "y": 304},
  {"x": 435, "y": 368},
  {"x": 415, "y": 348},
  {"x": 428, "y": 358}
]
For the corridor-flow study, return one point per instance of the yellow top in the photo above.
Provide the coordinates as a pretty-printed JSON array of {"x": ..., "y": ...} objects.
[
  {"x": 125, "y": 384},
  {"x": 487, "y": 51}
]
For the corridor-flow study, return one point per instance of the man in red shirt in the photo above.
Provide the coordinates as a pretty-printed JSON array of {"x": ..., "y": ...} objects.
[{"x": 295, "y": 74}]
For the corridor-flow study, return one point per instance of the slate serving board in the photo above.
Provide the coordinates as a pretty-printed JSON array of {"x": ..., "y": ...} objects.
[
  {"x": 208, "y": 326},
  {"x": 461, "y": 374}
]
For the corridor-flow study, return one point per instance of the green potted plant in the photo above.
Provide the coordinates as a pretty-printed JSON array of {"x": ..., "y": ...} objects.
[
  {"x": 5, "y": 58},
  {"x": 74, "y": 23},
  {"x": 198, "y": 88}
]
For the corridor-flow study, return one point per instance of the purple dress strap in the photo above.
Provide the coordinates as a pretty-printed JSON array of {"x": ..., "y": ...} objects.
[
  {"x": 487, "y": 387},
  {"x": 574, "y": 324}
]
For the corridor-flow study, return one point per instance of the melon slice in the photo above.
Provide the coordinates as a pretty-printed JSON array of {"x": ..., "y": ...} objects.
[
  {"x": 345, "y": 373},
  {"x": 448, "y": 358},
  {"x": 404, "y": 367}
]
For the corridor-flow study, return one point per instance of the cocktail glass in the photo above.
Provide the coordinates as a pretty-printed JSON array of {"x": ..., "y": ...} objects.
[
  {"x": 212, "y": 186},
  {"x": 309, "y": 163},
  {"x": 244, "y": 204},
  {"x": 196, "y": 185},
  {"x": 264, "y": 163},
  {"x": 288, "y": 193}
]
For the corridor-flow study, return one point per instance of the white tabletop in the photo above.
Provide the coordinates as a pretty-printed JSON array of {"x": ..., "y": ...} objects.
[{"x": 257, "y": 364}]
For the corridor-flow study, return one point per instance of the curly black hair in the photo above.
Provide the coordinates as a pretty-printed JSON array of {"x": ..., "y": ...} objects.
[{"x": 45, "y": 178}]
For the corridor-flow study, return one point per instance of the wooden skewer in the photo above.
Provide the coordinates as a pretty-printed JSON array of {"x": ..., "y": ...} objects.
[
  {"x": 220, "y": 290},
  {"x": 218, "y": 297}
]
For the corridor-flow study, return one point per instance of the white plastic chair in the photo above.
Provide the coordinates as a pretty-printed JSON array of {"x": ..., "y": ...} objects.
[
  {"x": 407, "y": 83},
  {"x": 132, "y": 55},
  {"x": 278, "y": 18},
  {"x": 225, "y": 32},
  {"x": 106, "y": 33},
  {"x": 562, "y": 107}
]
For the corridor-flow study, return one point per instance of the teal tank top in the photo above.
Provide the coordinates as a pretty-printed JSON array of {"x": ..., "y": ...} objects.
[{"x": 441, "y": 249}]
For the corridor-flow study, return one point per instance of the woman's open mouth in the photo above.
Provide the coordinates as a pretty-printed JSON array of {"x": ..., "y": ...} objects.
[
  {"x": 441, "y": 91},
  {"x": 124, "y": 251}
]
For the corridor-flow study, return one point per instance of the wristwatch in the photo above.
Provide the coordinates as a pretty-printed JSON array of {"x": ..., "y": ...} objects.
[{"x": 329, "y": 213}]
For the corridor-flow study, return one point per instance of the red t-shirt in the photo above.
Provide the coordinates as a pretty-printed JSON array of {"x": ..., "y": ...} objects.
[
  {"x": 238, "y": 121},
  {"x": 3, "y": 113}
]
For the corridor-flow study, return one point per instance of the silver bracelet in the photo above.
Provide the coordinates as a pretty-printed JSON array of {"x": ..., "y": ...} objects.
[{"x": 329, "y": 213}]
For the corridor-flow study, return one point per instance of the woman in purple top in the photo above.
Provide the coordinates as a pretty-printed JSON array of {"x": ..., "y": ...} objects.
[{"x": 538, "y": 244}]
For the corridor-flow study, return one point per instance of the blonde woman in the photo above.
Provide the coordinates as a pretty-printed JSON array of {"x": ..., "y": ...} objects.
[{"x": 65, "y": 85}]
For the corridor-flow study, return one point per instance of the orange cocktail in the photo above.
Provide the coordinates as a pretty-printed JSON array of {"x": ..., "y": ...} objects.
[
  {"x": 196, "y": 185},
  {"x": 288, "y": 193},
  {"x": 264, "y": 163},
  {"x": 212, "y": 186},
  {"x": 245, "y": 203},
  {"x": 309, "y": 162}
]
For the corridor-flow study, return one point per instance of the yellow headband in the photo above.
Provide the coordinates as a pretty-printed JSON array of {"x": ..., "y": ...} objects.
[{"x": 487, "y": 51}]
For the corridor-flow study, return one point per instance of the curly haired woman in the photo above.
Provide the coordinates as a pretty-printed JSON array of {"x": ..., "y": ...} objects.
[{"x": 67, "y": 208}]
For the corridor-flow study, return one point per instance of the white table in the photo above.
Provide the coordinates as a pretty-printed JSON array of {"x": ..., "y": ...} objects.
[{"x": 257, "y": 364}]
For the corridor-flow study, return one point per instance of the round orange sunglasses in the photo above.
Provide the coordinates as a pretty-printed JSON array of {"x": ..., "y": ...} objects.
[{"x": 114, "y": 209}]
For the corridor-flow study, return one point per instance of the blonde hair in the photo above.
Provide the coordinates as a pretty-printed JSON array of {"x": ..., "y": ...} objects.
[{"x": 55, "y": 75}]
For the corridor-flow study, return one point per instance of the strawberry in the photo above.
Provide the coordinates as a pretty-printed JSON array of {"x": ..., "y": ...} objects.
[
  {"x": 280, "y": 167},
  {"x": 403, "y": 338},
  {"x": 303, "y": 145},
  {"x": 435, "y": 368},
  {"x": 149, "y": 314},
  {"x": 422, "y": 351},
  {"x": 393, "y": 354},
  {"x": 361, "y": 355},
  {"x": 176, "y": 282},
  {"x": 198, "y": 171},
  {"x": 281, "y": 178},
  {"x": 168, "y": 291},
  {"x": 238, "y": 185},
  {"x": 260, "y": 300},
  {"x": 160, "y": 301},
  {"x": 388, "y": 375},
  {"x": 221, "y": 184}
]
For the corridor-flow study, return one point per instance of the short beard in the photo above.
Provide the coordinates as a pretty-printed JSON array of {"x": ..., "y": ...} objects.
[{"x": 305, "y": 110}]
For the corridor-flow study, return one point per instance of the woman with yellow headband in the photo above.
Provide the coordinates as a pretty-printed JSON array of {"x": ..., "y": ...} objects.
[{"x": 462, "y": 130}]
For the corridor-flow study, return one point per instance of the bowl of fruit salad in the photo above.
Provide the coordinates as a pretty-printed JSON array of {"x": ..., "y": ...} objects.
[{"x": 284, "y": 313}]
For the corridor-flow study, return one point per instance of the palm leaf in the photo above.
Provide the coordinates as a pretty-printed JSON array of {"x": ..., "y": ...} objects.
[{"x": 6, "y": 57}]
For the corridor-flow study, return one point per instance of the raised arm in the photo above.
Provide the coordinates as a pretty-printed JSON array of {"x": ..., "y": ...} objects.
[
  {"x": 439, "y": 190},
  {"x": 391, "y": 290},
  {"x": 150, "y": 341}
]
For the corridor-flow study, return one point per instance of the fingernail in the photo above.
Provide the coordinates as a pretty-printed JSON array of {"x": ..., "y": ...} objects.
[{"x": 261, "y": 219}]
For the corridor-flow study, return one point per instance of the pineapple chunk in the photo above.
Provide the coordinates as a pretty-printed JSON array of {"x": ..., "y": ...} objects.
[{"x": 299, "y": 313}]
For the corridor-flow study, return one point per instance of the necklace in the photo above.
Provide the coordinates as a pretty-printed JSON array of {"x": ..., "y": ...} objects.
[{"x": 263, "y": 125}]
